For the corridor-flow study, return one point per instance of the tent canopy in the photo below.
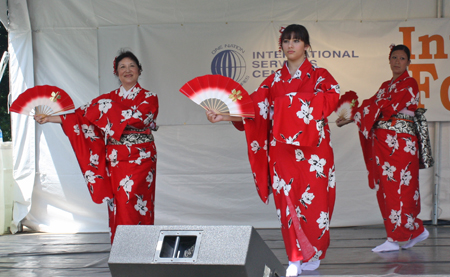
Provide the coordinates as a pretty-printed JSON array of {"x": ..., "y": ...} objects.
[
  {"x": 203, "y": 175},
  {"x": 92, "y": 14}
]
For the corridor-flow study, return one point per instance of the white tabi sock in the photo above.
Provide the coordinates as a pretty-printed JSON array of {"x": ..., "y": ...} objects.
[
  {"x": 311, "y": 265},
  {"x": 294, "y": 269},
  {"x": 417, "y": 239},
  {"x": 387, "y": 246}
]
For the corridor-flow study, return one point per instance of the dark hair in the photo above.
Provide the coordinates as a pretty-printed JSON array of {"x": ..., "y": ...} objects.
[
  {"x": 401, "y": 47},
  {"x": 126, "y": 54},
  {"x": 296, "y": 31}
]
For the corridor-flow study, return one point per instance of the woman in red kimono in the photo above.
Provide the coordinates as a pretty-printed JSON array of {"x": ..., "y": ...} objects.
[
  {"x": 390, "y": 148},
  {"x": 290, "y": 151},
  {"x": 113, "y": 142}
]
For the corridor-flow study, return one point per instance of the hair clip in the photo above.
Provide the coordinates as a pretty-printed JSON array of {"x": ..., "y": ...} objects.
[
  {"x": 279, "y": 40},
  {"x": 114, "y": 66}
]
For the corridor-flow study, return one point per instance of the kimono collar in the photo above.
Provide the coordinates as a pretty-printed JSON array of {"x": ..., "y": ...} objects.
[
  {"x": 301, "y": 71},
  {"x": 126, "y": 92},
  {"x": 400, "y": 78}
]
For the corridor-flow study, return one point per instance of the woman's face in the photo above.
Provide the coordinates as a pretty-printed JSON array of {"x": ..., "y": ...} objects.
[
  {"x": 399, "y": 62},
  {"x": 294, "y": 49},
  {"x": 128, "y": 72}
]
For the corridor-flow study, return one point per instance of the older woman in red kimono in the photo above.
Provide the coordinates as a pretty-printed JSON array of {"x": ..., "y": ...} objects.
[
  {"x": 290, "y": 152},
  {"x": 113, "y": 142},
  {"x": 390, "y": 148}
]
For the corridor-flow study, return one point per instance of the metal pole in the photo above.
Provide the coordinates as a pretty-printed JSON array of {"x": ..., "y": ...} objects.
[
  {"x": 437, "y": 150},
  {"x": 439, "y": 5}
]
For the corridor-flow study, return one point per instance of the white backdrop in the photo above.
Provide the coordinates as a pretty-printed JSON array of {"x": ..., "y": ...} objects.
[{"x": 203, "y": 176}]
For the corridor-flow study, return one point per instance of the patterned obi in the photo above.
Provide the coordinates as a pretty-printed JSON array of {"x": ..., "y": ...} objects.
[
  {"x": 132, "y": 136},
  {"x": 400, "y": 123},
  {"x": 416, "y": 126}
]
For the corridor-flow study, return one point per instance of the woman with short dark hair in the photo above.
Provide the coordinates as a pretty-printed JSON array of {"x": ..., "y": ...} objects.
[
  {"x": 390, "y": 147},
  {"x": 113, "y": 142}
]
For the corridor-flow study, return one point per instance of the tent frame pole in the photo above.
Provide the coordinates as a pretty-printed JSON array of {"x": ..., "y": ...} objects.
[
  {"x": 437, "y": 150},
  {"x": 437, "y": 147}
]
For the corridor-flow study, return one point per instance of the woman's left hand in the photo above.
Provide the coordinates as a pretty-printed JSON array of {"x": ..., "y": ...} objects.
[{"x": 342, "y": 121}]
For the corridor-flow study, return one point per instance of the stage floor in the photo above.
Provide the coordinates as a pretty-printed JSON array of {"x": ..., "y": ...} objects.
[{"x": 40, "y": 254}]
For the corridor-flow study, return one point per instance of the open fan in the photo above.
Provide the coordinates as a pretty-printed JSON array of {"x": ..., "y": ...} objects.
[
  {"x": 45, "y": 100},
  {"x": 220, "y": 94},
  {"x": 347, "y": 105}
]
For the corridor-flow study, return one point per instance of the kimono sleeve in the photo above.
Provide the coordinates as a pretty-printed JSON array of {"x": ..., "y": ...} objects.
[
  {"x": 383, "y": 105},
  {"x": 328, "y": 89},
  {"x": 300, "y": 119},
  {"x": 108, "y": 115},
  {"x": 405, "y": 95},
  {"x": 257, "y": 132},
  {"x": 238, "y": 125},
  {"x": 87, "y": 143},
  {"x": 144, "y": 114}
]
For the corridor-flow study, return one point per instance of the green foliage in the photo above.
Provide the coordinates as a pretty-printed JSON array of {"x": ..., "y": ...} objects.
[{"x": 5, "y": 119}]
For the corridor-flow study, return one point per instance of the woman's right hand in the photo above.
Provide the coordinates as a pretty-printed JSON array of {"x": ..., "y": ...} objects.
[
  {"x": 42, "y": 118},
  {"x": 342, "y": 121},
  {"x": 213, "y": 117}
]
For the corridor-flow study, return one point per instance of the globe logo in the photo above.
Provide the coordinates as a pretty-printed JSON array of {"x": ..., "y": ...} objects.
[{"x": 229, "y": 63}]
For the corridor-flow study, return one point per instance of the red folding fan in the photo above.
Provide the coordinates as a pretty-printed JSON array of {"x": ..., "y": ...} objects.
[
  {"x": 45, "y": 100},
  {"x": 347, "y": 105},
  {"x": 220, "y": 94}
]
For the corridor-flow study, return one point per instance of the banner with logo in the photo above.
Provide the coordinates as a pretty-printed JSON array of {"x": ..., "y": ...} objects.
[
  {"x": 203, "y": 174},
  {"x": 355, "y": 53}
]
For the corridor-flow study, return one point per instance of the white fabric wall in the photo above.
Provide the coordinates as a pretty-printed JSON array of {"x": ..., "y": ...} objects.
[
  {"x": 203, "y": 176},
  {"x": 21, "y": 77}
]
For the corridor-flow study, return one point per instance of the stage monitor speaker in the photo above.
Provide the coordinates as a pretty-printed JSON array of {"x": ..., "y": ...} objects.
[{"x": 191, "y": 251}]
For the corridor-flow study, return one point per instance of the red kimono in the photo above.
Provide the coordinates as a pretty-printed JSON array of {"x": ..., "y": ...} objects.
[
  {"x": 114, "y": 146},
  {"x": 390, "y": 149},
  {"x": 290, "y": 155}
]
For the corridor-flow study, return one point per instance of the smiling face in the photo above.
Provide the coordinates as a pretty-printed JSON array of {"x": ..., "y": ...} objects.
[
  {"x": 399, "y": 63},
  {"x": 128, "y": 72},
  {"x": 294, "y": 49}
]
